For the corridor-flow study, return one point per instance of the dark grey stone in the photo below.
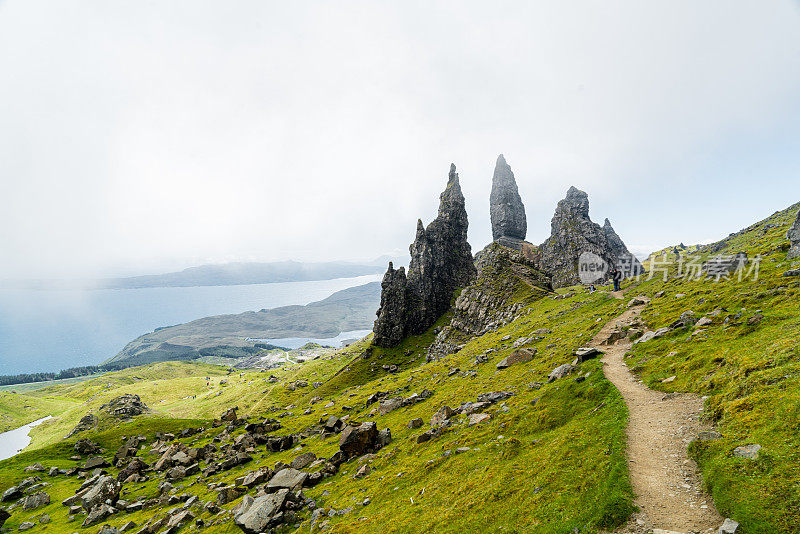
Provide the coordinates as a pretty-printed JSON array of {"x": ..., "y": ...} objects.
[
  {"x": 573, "y": 233},
  {"x": 506, "y": 209},
  {"x": 441, "y": 262}
]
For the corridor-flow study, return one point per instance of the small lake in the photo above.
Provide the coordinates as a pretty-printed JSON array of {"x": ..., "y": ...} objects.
[
  {"x": 13, "y": 441},
  {"x": 49, "y": 330},
  {"x": 296, "y": 342}
]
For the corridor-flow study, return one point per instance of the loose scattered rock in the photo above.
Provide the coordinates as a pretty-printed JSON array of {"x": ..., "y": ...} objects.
[
  {"x": 729, "y": 527},
  {"x": 638, "y": 301},
  {"x": 442, "y": 415},
  {"x": 478, "y": 418},
  {"x": 125, "y": 406},
  {"x": 356, "y": 441},
  {"x": 747, "y": 451},
  {"x": 35, "y": 500},
  {"x": 586, "y": 353},
  {"x": 709, "y": 435},
  {"x": 289, "y": 478},
  {"x": 518, "y": 356},
  {"x": 390, "y": 405},
  {"x": 560, "y": 372}
]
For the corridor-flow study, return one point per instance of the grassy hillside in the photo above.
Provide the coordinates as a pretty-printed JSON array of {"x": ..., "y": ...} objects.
[
  {"x": 551, "y": 457},
  {"x": 20, "y": 409},
  {"x": 748, "y": 368}
]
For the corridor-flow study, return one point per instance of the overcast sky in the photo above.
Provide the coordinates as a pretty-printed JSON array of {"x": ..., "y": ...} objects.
[{"x": 145, "y": 136}]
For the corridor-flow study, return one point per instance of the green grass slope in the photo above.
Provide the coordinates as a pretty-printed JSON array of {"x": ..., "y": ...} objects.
[
  {"x": 550, "y": 459},
  {"x": 749, "y": 370}
]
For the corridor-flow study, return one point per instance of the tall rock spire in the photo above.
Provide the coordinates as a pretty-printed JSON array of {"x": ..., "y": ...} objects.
[
  {"x": 390, "y": 325},
  {"x": 441, "y": 262},
  {"x": 505, "y": 205}
]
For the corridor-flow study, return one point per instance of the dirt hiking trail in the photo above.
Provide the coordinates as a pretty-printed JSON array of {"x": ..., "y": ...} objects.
[{"x": 666, "y": 482}]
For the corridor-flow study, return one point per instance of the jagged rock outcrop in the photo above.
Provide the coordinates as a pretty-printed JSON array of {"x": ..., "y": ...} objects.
[
  {"x": 441, "y": 261},
  {"x": 125, "y": 406},
  {"x": 506, "y": 209},
  {"x": 572, "y": 234},
  {"x": 488, "y": 302},
  {"x": 793, "y": 235},
  {"x": 390, "y": 325}
]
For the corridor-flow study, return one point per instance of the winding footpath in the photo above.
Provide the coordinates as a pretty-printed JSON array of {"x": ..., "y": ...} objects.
[{"x": 666, "y": 482}]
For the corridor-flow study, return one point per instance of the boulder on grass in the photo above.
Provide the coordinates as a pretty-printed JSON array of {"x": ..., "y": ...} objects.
[
  {"x": 355, "y": 441},
  {"x": 560, "y": 372},
  {"x": 518, "y": 356},
  {"x": 261, "y": 514}
]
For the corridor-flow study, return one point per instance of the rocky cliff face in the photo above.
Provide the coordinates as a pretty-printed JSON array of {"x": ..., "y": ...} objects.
[
  {"x": 390, "y": 326},
  {"x": 488, "y": 303},
  {"x": 793, "y": 235},
  {"x": 573, "y": 233},
  {"x": 506, "y": 209},
  {"x": 441, "y": 261}
]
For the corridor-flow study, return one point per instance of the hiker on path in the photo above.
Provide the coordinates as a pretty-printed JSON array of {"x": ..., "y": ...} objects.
[{"x": 616, "y": 277}]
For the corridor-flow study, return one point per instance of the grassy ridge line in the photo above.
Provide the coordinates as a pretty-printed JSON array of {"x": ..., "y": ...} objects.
[{"x": 750, "y": 373}]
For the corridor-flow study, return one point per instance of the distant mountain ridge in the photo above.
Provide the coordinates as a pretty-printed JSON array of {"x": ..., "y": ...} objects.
[
  {"x": 241, "y": 273},
  {"x": 233, "y": 335},
  {"x": 225, "y": 274}
]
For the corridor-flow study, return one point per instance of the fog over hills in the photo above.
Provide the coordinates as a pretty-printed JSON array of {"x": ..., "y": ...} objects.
[{"x": 225, "y": 274}]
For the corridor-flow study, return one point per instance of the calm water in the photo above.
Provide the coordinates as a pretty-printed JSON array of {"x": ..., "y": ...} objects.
[
  {"x": 297, "y": 342},
  {"x": 13, "y": 441},
  {"x": 48, "y": 330}
]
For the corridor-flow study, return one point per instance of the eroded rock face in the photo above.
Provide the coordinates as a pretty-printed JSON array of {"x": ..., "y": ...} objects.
[
  {"x": 572, "y": 234},
  {"x": 86, "y": 423},
  {"x": 441, "y": 261},
  {"x": 487, "y": 304},
  {"x": 793, "y": 235},
  {"x": 619, "y": 249},
  {"x": 390, "y": 325},
  {"x": 505, "y": 205}
]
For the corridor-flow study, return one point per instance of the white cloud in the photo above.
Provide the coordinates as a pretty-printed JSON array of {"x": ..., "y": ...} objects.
[{"x": 135, "y": 136}]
